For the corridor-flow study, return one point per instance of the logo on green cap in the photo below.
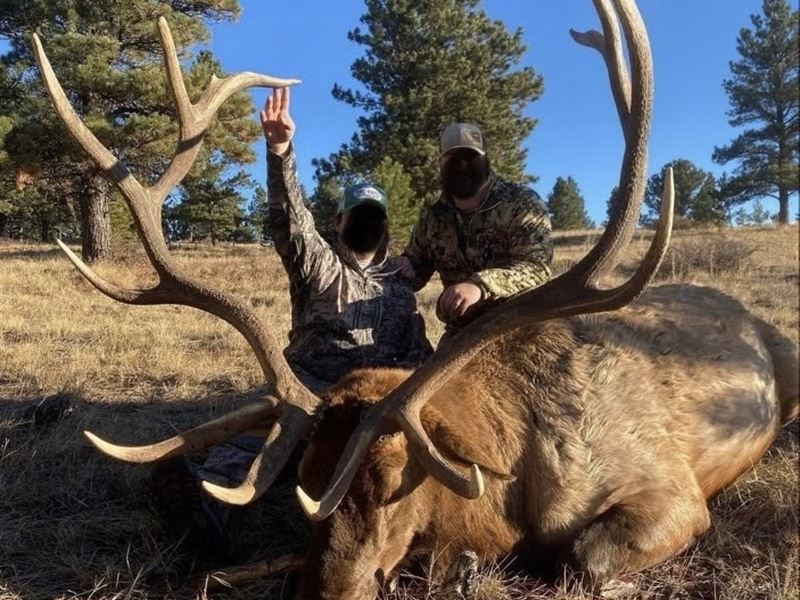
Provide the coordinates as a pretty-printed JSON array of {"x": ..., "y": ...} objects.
[
  {"x": 364, "y": 193},
  {"x": 368, "y": 192}
]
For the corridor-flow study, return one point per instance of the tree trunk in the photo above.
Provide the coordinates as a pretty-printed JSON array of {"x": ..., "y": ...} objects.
[
  {"x": 783, "y": 202},
  {"x": 95, "y": 221}
]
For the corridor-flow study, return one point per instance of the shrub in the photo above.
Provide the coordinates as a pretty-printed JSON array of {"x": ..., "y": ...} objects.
[{"x": 710, "y": 255}]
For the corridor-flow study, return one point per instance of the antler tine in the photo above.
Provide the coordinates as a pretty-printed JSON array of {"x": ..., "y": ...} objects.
[
  {"x": 177, "y": 87},
  {"x": 194, "y": 119},
  {"x": 283, "y": 438},
  {"x": 154, "y": 295},
  {"x": 175, "y": 287},
  {"x": 572, "y": 293},
  {"x": 609, "y": 45},
  {"x": 145, "y": 218},
  {"x": 115, "y": 170},
  {"x": 199, "y": 438},
  {"x": 633, "y": 178}
]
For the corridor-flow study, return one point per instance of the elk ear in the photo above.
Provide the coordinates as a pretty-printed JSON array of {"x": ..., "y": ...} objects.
[
  {"x": 462, "y": 446},
  {"x": 392, "y": 470}
]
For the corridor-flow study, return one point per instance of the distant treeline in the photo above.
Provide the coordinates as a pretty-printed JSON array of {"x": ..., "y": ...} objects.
[{"x": 416, "y": 59}]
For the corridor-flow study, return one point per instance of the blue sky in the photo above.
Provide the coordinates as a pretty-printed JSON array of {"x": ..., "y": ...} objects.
[{"x": 578, "y": 132}]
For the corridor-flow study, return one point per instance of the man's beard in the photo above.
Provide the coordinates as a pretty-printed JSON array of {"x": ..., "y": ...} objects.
[
  {"x": 365, "y": 230},
  {"x": 464, "y": 174}
]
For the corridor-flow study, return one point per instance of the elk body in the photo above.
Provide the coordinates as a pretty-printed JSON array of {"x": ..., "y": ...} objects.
[
  {"x": 567, "y": 425},
  {"x": 607, "y": 435}
]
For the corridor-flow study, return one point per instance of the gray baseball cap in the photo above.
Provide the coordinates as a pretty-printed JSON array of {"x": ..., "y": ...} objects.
[
  {"x": 463, "y": 135},
  {"x": 363, "y": 193}
]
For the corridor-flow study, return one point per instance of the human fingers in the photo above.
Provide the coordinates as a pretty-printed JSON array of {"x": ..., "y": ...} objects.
[
  {"x": 459, "y": 307},
  {"x": 278, "y": 102},
  {"x": 270, "y": 104},
  {"x": 454, "y": 299},
  {"x": 442, "y": 303},
  {"x": 285, "y": 98}
]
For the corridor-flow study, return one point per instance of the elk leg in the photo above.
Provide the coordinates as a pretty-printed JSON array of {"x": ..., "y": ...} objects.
[{"x": 641, "y": 531}]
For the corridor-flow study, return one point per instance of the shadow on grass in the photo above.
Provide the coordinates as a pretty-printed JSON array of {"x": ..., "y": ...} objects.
[{"x": 74, "y": 522}]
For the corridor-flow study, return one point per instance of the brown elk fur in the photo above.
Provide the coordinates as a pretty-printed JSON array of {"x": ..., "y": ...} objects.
[{"x": 602, "y": 438}]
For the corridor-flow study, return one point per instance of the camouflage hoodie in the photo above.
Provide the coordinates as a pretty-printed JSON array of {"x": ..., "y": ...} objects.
[
  {"x": 504, "y": 247},
  {"x": 343, "y": 317}
]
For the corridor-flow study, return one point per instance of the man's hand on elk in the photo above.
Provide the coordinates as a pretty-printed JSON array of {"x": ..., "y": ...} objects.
[
  {"x": 276, "y": 121},
  {"x": 456, "y": 301}
]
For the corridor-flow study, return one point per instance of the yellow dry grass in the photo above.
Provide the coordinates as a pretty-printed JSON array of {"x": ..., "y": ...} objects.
[{"x": 73, "y": 525}]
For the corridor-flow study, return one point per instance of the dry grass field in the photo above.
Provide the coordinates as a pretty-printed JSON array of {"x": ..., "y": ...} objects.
[{"x": 75, "y": 525}]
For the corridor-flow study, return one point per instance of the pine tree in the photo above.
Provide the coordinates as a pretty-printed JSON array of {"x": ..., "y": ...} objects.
[
  {"x": 109, "y": 60},
  {"x": 758, "y": 215},
  {"x": 211, "y": 206},
  {"x": 709, "y": 206},
  {"x": 6, "y": 171},
  {"x": 764, "y": 93},
  {"x": 403, "y": 208},
  {"x": 427, "y": 64},
  {"x": 325, "y": 201},
  {"x": 258, "y": 214},
  {"x": 566, "y": 206},
  {"x": 697, "y": 195},
  {"x": 611, "y": 205}
]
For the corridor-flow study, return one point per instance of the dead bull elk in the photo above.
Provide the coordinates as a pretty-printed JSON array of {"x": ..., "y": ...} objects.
[{"x": 602, "y": 424}]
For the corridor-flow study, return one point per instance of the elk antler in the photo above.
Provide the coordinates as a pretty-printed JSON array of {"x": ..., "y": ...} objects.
[
  {"x": 609, "y": 45},
  {"x": 575, "y": 292},
  {"x": 297, "y": 404}
]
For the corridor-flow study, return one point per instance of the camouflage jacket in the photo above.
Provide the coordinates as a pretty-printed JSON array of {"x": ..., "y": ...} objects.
[
  {"x": 504, "y": 247},
  {"x": 343, "y": 317}
]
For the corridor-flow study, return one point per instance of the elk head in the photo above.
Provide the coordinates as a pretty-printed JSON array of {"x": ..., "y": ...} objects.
[{"x": 393, "y": 507}]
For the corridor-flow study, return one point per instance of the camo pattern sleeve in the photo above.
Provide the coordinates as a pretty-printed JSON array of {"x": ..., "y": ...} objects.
[
  {"x": 304, "y": 252},
  {"x": 418, "y": 252},
  {"x": 530, "y": 250}
]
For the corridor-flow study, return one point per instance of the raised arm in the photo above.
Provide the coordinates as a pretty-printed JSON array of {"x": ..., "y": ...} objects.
[{"x": 304, "y": 252}]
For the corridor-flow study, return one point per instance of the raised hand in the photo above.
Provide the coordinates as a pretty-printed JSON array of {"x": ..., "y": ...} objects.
[{"x": 276, "y": 121}]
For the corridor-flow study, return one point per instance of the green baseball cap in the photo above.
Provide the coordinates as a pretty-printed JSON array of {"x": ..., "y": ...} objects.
[
  {"x": 363, "y": 193},
  {"x": 463, "y": 135}
]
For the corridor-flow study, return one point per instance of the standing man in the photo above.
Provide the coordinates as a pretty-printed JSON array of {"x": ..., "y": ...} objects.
[{"x": 486, "y": 237}]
